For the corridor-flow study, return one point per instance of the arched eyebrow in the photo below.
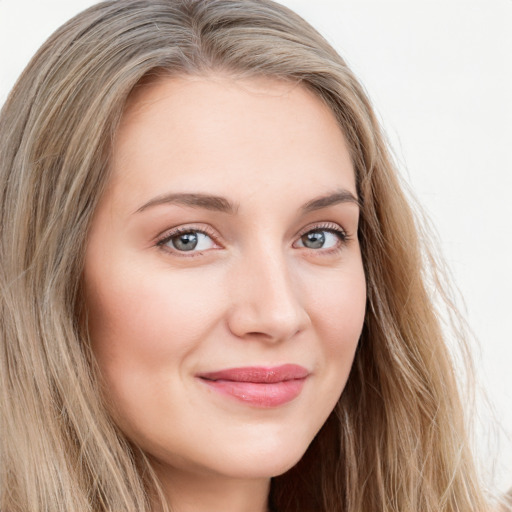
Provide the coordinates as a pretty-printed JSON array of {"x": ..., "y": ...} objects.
[
  {"x": 208, "y": 202},
  {"x": 337, "y": 197},
  {"x": 221, "y": 204}
]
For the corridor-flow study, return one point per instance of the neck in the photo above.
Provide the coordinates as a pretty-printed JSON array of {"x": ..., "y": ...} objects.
[{"x": 196, "y": 492}]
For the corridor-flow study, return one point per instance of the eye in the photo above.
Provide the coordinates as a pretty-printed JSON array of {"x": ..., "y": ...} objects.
[
  {"x": 188, "y": 240},
  {"x": 322, "y": 238}
]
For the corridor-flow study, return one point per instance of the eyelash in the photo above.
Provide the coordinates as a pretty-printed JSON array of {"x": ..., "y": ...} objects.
[
  {"x": 169, "y": 235},
  {"x": 335, "y": 229}
]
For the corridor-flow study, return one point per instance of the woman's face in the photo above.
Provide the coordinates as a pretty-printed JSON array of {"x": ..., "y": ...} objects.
[{"x": 223, "y": 274}]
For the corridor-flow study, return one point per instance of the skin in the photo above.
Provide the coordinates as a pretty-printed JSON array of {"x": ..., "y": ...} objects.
[{"x": 253, "y": 293}]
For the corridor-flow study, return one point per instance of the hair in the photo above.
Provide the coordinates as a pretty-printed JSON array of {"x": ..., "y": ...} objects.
[{"x": 396, "y": 440}]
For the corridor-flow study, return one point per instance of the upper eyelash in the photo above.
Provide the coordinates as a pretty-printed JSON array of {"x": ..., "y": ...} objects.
[
  {"x": 327, "y": 226},
  {"x": 333, "y": 228},
  {"x": 166, "y": 237}
]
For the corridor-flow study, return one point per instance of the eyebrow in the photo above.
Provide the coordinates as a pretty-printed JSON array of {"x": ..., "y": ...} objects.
[
  {"x": 208, "y": 202},
  {"x": 221, "y": 204},
  {"x": 337, "y": 197}
]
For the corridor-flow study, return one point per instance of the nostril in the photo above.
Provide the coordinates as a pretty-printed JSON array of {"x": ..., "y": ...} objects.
[
  {"x": 259, "y": 327},
  {"x": 266, "y": 305}
]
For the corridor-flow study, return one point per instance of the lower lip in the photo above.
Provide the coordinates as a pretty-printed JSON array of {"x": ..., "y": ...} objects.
[{"x": 259, "y": 394}]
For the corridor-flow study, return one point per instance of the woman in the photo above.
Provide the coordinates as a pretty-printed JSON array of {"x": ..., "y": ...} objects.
[{"x": 213, "y": 291}]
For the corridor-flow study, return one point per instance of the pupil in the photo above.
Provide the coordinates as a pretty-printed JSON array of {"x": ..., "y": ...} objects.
[
  {"x": 314, "y": 239},
  {"x": 185, "y": 241}
]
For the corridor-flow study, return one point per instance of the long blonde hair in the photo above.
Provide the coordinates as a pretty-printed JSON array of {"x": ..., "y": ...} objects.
[{"x": 396, "y": 440}]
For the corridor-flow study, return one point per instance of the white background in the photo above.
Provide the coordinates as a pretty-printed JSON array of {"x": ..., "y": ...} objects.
[{"x": 440, "y": 76}]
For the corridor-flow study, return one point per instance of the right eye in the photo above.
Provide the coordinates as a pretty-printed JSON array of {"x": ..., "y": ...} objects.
[{"x": 189, "y": 240}]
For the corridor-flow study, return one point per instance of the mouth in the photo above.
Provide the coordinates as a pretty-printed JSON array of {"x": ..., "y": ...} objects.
[{"x": 258, "y": 386}]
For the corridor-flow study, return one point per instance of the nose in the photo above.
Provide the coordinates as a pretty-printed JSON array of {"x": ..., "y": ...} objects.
[{"x": 266, "y": 302}]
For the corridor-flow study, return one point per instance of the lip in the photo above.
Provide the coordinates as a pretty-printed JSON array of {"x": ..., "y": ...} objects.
[{"x": 257, "y": 385}]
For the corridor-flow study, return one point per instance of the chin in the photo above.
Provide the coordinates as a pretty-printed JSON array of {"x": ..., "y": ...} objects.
[{"x": 265, "y": 460}]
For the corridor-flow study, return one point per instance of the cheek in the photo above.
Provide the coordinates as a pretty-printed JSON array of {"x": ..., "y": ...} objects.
[
  {"x": 144, "y": 329},
  {"x": 338, "y": 309},
  {"x": 337, "y": 313},
  {"x": 145, "y": 321}
]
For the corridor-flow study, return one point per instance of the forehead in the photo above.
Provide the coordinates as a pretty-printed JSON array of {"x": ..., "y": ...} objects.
[{"x": 219, "y": 133}]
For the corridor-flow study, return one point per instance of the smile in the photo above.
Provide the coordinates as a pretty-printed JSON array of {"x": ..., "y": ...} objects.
[{"x": 259, "y": 386}]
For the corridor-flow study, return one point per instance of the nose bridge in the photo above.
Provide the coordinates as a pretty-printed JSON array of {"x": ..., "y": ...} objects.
[{"x": 267, "y": 301}]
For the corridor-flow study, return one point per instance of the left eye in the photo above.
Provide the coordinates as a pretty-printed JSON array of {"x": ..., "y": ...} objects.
[
  {"x": 189, "y": 241},
  {"x": 320, "y": 239}
]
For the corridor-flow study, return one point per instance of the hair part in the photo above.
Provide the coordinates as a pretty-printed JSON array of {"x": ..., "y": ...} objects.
[{"x": 396, "y": 440}]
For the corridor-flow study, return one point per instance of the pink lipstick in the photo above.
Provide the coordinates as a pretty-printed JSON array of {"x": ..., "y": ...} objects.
[{"x": 259, "y": 386}]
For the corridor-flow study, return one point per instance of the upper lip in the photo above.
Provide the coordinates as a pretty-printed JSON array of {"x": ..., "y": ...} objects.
[{"x": 258, "y": 374}]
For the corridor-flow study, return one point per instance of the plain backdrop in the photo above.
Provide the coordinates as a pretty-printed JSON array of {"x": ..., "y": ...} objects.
[{"x": 439, "y": 74}]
